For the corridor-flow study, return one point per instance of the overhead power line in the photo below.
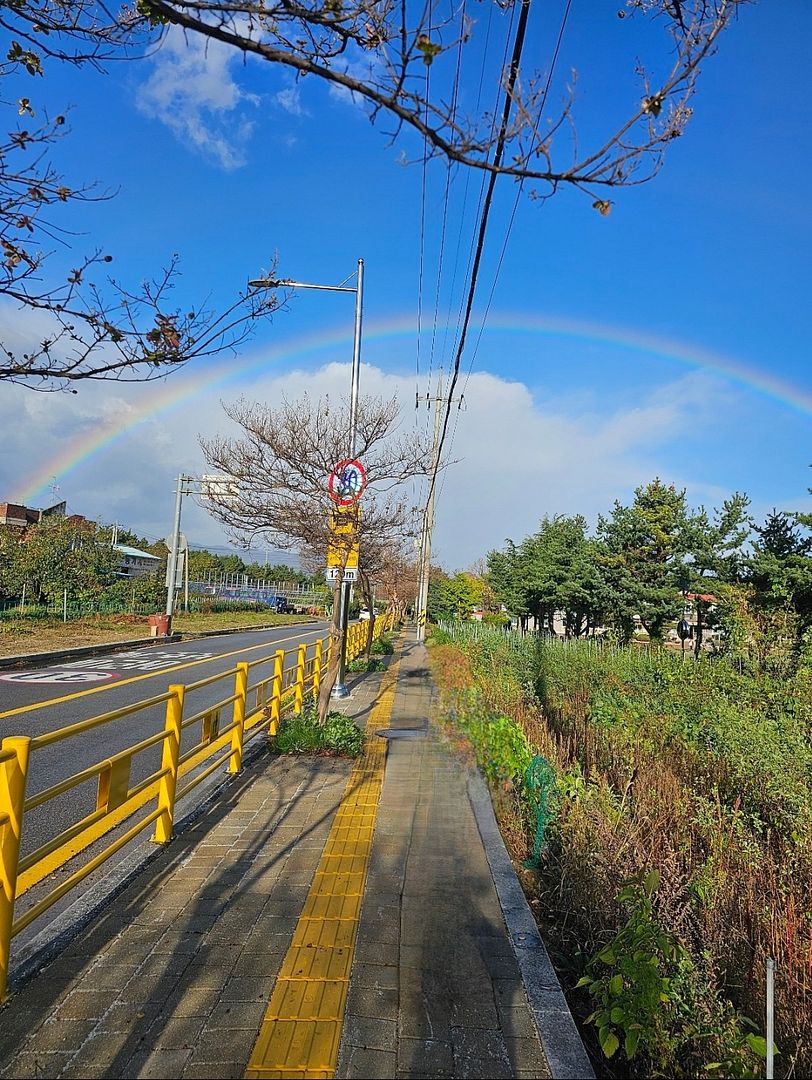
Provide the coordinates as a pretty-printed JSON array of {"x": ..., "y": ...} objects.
[
  {"x": 508, "y": 231},
  {"x": 520, "y": 185},
  {"x": 513, "y": 74}
]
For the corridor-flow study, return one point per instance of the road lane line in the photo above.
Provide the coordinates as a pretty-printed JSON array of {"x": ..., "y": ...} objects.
[{"x": 34, "y": 706}]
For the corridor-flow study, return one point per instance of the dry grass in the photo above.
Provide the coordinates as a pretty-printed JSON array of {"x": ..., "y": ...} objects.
[
  {"x": 731, "y": 891},
  {"x": 24, "y": 637}
]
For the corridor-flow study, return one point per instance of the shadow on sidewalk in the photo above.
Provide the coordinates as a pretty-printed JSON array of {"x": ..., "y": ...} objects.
[{"x": 200, "y": 930}]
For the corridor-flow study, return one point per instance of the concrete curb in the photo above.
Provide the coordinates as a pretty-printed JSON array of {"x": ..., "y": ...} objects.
[
  {"x": 34, "y": 659},
  {"x": 563, "y": 1048}
]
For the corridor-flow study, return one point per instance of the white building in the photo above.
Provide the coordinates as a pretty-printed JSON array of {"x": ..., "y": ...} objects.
[{"x": 134, "y": 563}]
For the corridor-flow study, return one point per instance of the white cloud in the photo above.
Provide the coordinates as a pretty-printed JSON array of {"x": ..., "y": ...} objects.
[
  {"x": 290, "y": 100},
  {"x": 193, "y": 92},
  {"x": 516, "y": 459}
]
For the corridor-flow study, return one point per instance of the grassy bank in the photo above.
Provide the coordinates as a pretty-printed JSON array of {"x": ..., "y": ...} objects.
[
  {"x": 678, "y": 850},
  {"x": 31, "y": 636}
]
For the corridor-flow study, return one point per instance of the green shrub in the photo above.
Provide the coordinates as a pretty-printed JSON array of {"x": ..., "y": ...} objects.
[
  {"x": 298, "y": 735},
  {"x": 342, "y": 735},
  {"x": 629, "y": 979},
  {"x": 502, "y": 750},
  {"x": 303, "y": 734},
  {"x": 362, "y": 664},
  {"x": 650, "y": 1000},
  {"x": 382, "y": 646}
]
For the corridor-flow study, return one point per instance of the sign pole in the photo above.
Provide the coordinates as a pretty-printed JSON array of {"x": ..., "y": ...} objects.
[{"x": 340, "y": 690}]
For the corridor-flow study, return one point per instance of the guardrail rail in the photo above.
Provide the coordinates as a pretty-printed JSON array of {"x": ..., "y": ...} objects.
[{"x": 260, "y": 694}]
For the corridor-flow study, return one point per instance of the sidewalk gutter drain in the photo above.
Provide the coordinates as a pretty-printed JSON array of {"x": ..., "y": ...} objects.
[{"x": 402, "y": 733}]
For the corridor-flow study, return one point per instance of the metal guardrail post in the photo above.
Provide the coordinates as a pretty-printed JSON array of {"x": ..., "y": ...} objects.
[
  {"x": 301, "y": 657},
  {"x": 13, "y": 776},
  {"x": 276, "y": 691},
  {"x": 169, "y": 761},
  {"x": 317, "y": 661},
  {"x": 238, "y": 717}
]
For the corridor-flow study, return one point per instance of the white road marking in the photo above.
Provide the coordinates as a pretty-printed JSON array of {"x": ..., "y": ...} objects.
[{"x": 51, "y": 676}]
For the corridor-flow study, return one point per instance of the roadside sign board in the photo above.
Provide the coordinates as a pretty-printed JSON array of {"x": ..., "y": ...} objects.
[
  {"x": 344, "y": 523},
  {"x": 333, "y": 573}
]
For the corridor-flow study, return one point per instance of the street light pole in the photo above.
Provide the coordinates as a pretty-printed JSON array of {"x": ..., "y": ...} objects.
[
  {"x": 356, "y": 357},
  {"x": 339, "y": 690}
]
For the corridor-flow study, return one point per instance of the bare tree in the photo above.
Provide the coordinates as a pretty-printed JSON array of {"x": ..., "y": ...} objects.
[
  {"x": 89, "y": 325},
  {"x": 381, "y": 558},
  {"x": 399, "y": 582},
  {"x": 277, "y": 470}
]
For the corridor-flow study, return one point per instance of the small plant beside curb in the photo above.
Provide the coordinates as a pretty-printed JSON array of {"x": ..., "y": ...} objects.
[
  {"x": 628, "y": 979},
  {"x": 647, "y": 996},
  {"x": 362, "y": 664},
  {"x": 303, "y": 734},
  {"x": 382, "y": 646}
]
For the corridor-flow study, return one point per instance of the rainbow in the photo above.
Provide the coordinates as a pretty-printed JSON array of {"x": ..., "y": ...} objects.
[{"x": 180, "y": 389}]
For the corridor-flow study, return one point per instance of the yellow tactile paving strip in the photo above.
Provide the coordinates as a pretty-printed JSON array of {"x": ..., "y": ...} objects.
[{"x": 301, "y": 1032}]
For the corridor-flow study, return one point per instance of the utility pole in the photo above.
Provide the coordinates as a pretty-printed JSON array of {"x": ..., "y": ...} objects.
[
  {"x": 174, "y": 553},
  {"x": 439, "y": 400}
]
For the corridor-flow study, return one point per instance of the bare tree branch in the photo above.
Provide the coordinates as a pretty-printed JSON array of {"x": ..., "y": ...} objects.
[
  {"x": 398, "y": 43},
  {"x": 95, "y": 327},
  {"x": 379, "y": 52}
]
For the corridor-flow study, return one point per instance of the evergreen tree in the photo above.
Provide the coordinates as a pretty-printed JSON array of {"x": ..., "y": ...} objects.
[{"x": 643, "y": 550}]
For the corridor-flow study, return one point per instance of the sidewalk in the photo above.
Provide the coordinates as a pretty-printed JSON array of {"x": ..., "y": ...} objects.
[{"x": 320, "y": 918}]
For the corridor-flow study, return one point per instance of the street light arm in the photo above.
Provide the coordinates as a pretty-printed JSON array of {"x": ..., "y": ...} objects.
[
  {"x": 339, "y": 689},
  {"x": 270, "y": 283}
]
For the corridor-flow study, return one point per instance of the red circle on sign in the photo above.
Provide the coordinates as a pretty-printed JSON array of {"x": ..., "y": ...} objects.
[{"x": 347, "y": 482}]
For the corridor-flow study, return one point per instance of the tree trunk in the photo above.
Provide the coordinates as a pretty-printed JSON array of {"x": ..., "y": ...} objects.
[
  {"x": 366, "y": 589},
  {"x": 700, "y": 627},
  {"x": 330, "y": 673}
]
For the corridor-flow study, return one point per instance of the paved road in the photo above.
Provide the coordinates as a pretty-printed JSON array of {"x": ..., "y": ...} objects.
[{"x": 44, "y": 698}]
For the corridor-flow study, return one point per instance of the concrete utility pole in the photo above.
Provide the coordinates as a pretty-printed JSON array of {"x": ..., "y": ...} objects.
[
  {"x": 438, "y": 401},
  {"x": 172, "y": 567}
]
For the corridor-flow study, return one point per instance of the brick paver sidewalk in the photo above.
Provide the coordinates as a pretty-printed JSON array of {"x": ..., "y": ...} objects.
[{"x": 174, "y": 976}]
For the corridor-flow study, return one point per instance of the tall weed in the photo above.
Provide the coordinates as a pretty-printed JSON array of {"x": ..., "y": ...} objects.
[{"x": 696, "y": 770}]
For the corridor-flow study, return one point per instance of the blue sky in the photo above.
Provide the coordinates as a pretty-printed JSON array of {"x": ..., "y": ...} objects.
[{"x": 231, "y": 165}]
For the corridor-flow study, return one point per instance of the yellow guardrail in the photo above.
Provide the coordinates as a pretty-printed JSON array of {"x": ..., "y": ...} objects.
[{"x": 259, "y": 700}]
